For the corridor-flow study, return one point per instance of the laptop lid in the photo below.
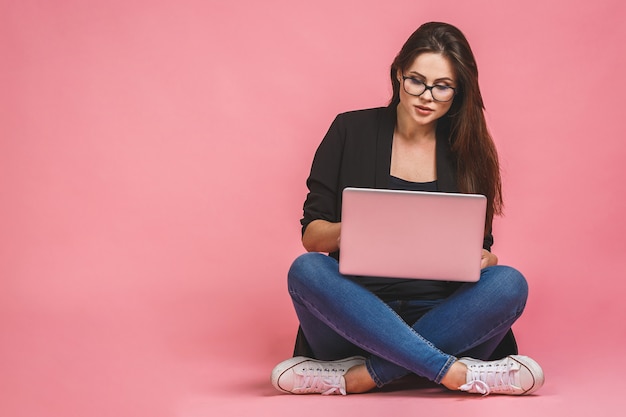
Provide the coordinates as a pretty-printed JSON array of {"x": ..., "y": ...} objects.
[{"x": 412, "y": 234}]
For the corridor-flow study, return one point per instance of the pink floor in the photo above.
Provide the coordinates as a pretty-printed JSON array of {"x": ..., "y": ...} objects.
[{"x": 103, "y": 363}]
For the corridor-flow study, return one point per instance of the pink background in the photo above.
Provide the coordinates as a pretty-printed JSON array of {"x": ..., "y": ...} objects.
[{"x": 152, "y": 164}]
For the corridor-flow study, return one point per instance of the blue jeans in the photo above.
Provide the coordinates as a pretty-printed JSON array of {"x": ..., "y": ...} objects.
[{"x": 341, "y": 318}]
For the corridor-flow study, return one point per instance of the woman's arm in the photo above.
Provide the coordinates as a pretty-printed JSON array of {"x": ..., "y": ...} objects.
[
  {"x": 321, "y": 236},
  {"x": 320, "y": 221}
]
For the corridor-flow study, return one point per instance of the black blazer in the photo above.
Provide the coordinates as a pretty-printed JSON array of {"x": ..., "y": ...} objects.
[{"x": 356, "y": 152}]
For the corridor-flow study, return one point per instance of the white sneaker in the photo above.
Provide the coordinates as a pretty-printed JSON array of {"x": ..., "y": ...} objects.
[
  {"x": 513, "y": 375},
  {"x": 302, "y": 375}
]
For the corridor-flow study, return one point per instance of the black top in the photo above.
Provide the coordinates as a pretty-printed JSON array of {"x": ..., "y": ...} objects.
[{"x": 396, "y": 183}]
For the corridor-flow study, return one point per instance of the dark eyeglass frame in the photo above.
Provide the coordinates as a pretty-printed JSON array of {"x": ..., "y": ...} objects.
[{"x": 427, "y": 87}]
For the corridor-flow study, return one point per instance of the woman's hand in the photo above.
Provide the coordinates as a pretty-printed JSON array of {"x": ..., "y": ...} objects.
[
  {"x": 488, "y": 259},
  {"x": 322, "y": 236}
]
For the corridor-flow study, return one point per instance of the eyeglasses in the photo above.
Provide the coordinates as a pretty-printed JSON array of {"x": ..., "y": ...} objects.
[{"x": 415, "y": 87}]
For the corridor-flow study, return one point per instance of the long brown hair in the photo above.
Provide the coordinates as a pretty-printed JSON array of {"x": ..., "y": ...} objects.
[{"x": 464, "y": 125}]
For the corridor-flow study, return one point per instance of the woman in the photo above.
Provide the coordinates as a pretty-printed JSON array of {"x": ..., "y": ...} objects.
[{"x": 364, "y": 332}]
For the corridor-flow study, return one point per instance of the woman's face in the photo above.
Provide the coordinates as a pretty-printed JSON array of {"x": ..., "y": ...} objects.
[{"x": 432, "y": 69}]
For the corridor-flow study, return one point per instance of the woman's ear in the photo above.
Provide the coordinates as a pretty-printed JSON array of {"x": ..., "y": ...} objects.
[{"x": 399, "y": 76}]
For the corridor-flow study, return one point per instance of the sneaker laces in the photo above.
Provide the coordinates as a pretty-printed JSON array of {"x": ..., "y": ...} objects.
[
  {"x": 318, "y": 380},
  {"x": 489, "y": 377}
]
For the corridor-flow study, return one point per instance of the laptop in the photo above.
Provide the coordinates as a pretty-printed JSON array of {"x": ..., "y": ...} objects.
[{"x": 412, "y": 234}]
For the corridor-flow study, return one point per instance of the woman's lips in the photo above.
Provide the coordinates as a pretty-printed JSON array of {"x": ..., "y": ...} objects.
[{"x": 423, "y": 110}]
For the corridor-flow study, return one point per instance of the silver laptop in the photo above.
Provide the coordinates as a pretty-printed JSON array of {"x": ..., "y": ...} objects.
[{"x": 412, "y": 234}]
